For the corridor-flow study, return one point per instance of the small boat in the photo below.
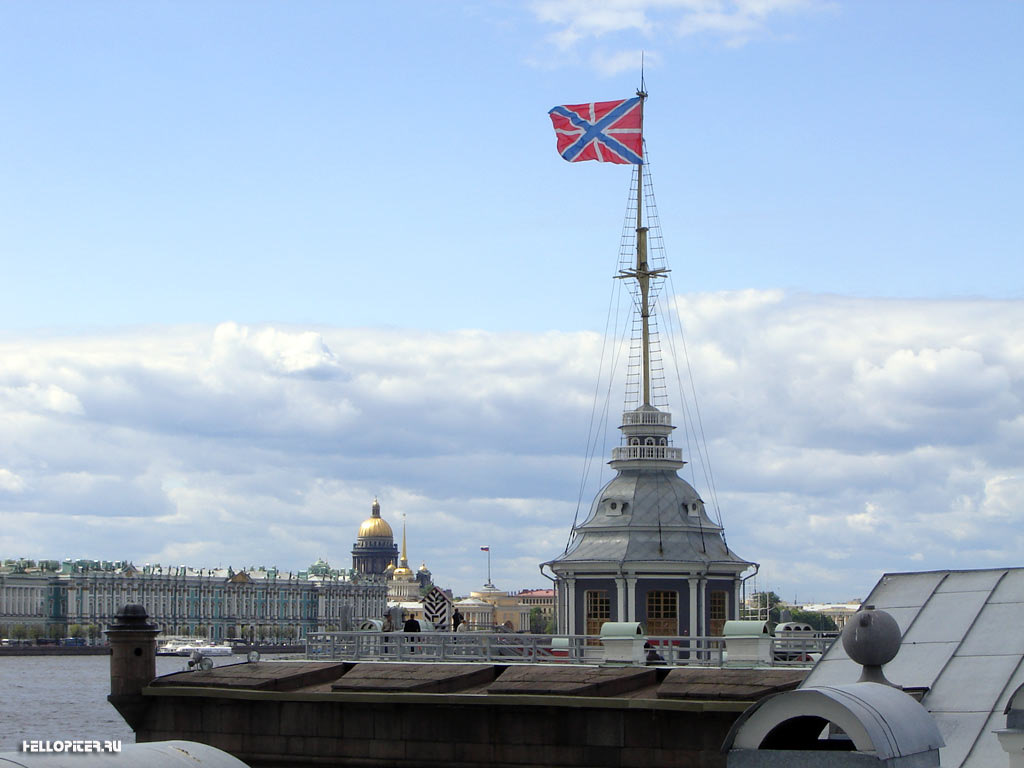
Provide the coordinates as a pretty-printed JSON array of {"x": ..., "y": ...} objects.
[
  {"x": 205, "y": 648},
  {"x": 171, "y": 645},
  {"x": 184, "y": 646}
]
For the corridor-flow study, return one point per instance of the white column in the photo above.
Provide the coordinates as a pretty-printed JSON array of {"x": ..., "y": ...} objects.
[
  {"x": 570, "y": 608},
  {"x": 693, "y": 605},
  {"x": 631, "y": 598},
  {"x": 620, "y": 589},
  {"x": 735, "y": 614},
  {"x": 702, "y": 593}
]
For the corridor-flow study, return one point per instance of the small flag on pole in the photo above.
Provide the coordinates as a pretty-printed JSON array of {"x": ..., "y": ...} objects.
[
  {"x": 606, "y": 131},
  {"x": 485, "y": 549}
]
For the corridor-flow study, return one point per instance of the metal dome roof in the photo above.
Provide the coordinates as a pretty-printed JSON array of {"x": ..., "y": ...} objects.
[
  {"x": 375, "y": 527},
  {"x": 645, "y": 516}
]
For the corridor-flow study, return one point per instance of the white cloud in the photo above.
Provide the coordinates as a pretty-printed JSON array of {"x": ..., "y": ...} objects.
[
  {"x": 849, "y": 437},
  {"x": 11, "y": 482},
  {"x": 35, "y": 398},
  {"x": 576, "y": 23}
]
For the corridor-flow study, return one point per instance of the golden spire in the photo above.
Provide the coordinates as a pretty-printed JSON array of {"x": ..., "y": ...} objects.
[{"x": 403, "y": 561}]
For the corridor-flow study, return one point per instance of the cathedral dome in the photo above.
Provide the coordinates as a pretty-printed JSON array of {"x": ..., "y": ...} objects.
[{"x": 375, "y": 527}]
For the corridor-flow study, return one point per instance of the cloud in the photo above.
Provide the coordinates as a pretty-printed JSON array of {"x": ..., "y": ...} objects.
[
  {"x": 580, "y": 19},
  {"x": 10, "y": 482},
  {"x": 610, "y": 64},
  {"x": 577, "y": 23},
  {"x": 848, "y": 437}
]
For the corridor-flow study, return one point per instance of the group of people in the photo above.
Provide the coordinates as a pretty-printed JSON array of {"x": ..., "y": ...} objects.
[{"x": 412, "y": 624}]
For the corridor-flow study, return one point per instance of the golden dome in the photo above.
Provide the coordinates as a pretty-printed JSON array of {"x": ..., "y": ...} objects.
[
  {"x": 375, "y": 526},
  {"x": 402, "y": 571}
]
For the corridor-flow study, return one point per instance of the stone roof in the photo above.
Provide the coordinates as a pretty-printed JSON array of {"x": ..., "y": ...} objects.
[
  {"x": 653, "y": 683},
  {"x": 663, "y": 520}
]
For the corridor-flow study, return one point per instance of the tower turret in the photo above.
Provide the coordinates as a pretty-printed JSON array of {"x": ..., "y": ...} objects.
[{"x": 647, "y": 551}]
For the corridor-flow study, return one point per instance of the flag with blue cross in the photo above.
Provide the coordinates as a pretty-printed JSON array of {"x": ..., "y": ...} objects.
[{"x": 605, "y": 131}]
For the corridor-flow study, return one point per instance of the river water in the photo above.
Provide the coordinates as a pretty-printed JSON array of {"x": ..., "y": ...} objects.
[{"x": 65, "y": 697}]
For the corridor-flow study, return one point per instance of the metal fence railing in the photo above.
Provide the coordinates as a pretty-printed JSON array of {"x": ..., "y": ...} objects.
[{"x": 510, "y": 648}]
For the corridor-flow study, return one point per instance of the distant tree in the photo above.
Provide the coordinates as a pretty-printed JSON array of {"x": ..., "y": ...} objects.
[
  {"x": 76, "y": 630},
  {"x": 819, "y": 621},
  {"x": 56, "y": 631},
  {"x": 36, "y": 631},
  {"x": 19, "y": 632},
  {"x": 537, "y": 620},
  {"x": 92, "y": 631}
]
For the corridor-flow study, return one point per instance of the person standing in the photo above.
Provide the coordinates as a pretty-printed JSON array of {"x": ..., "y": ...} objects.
[{"x": 411, "y": 625}]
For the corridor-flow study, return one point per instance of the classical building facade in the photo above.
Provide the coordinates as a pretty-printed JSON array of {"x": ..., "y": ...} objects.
[
  {"x": 29, "y": 600},
  {"x": 544, "y": 599},
  {"x": 490, "y": 608},
  {"x": 218, "y": 603},
  {"x": 375, "y": 549}
]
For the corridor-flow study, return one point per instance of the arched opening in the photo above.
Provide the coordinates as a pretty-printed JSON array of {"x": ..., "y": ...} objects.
[{"x": 806, "y": 732}]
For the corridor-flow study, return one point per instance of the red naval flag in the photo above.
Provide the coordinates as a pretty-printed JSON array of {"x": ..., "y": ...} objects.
[{"x": 606, "y": 131}]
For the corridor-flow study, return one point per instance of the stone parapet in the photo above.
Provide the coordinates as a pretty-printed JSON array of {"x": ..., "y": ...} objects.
[{"x": 458, "y": 715}]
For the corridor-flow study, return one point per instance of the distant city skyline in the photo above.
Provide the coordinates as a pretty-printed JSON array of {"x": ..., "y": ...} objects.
[{"x": 262, "y": 263}]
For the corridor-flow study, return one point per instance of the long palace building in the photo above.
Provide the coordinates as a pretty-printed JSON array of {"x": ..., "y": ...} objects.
[{"x": 49, "y": 597}]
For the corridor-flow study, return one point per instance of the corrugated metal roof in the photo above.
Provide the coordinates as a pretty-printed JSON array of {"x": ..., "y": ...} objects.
[{"x": 963, "y": 639}]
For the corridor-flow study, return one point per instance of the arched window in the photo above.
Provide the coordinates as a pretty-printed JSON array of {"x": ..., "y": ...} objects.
[{"x": 649, "y": 441}]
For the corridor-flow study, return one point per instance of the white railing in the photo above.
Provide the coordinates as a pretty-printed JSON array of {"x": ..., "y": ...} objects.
[
  {"x": 632, "y": 452},
  {"x": 647, "y": 418},
  {"x": 510, "y": 648}
]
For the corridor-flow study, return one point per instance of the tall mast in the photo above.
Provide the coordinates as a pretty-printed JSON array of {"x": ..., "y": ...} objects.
[
  {"x": 642, "y": 273},
  {"x": 641, "y": 261}
]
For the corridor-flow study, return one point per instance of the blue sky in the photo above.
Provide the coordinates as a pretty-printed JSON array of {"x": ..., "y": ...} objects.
[{"x": 261, "y": 261}]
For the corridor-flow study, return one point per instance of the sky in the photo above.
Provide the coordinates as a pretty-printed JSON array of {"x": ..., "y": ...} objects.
[{"x": 261, "y": 262}]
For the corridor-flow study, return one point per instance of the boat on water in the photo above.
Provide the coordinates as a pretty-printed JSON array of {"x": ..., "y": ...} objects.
[
  {"x": 186, "y": 646},
  {"x": 207, "y": 649}
]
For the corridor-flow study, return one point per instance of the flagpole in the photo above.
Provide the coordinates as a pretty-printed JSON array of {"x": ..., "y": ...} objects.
[
  {"x": 487, "y": 549},
  {"x": 642, "y": 274}
]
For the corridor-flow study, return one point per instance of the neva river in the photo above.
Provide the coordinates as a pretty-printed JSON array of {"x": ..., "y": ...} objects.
[{"x": 65, "y": 697}]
